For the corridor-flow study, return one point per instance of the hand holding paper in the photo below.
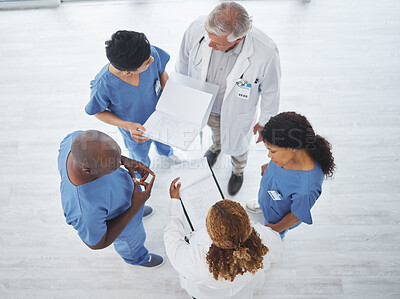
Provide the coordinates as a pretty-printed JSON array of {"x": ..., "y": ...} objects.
[{"x": 136, "y": 131}]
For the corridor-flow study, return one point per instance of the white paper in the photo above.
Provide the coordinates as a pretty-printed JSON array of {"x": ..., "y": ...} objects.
[
  {"x": 198, "y": 190},
  {"x": 194, "y": 83},
  {"x": 164, "y": 128},
  {"x": 181, "y": 112},
  {"x": 198, "y": 199},
  {"x": 191, "y": 172},
  {"x": 183, "y": 102},
  {"x": 200, "y": 85}
]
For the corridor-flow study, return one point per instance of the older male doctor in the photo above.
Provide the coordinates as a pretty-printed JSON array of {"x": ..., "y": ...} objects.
[{"x": 224, "y": 49}]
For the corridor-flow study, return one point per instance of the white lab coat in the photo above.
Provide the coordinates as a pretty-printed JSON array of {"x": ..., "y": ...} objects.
[
  {"x": 189, "y": 260},
  {"x": 258, "y": 64}
]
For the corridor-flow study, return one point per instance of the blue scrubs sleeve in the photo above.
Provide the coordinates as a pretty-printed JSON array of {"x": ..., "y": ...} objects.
[
  {"x": 162, "y": 59},
  {"x": 99, "y": 101},
  {"x": 301, "y": 207},
  {"x": 91, "y": 228}
]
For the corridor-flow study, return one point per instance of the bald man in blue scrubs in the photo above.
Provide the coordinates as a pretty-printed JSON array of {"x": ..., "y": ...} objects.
[{"x": 103, "y": 201}]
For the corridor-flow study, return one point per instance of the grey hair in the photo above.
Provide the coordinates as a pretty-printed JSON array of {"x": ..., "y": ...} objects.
[{"x": 228, "y": 18}]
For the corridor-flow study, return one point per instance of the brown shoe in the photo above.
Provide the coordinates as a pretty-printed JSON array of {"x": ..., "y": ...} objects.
[
  {"x": 235, "y": 183},
  {"x": 211, "y": 156}
]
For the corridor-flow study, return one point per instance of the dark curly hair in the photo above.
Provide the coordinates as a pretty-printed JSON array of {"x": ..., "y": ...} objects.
[
  {"x": 293, "y": 130},
  {"x": 237, "y": 248},
  {"x": 127, "y": 50}
]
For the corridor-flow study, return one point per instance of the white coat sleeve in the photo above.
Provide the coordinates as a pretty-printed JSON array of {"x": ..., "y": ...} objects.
[
  {"x": 182, "y": 64},
  {"x": 273, "y": 241},
  {"x": 270, "y": 90},
  {"x": 183, "y": 256}
]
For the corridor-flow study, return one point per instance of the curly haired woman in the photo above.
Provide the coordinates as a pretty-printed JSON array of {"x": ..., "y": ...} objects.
[
  {"x": 292, "y": 181},
  {"x": 224, "y": 260}
]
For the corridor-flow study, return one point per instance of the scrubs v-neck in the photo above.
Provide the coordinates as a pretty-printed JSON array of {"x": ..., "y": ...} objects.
[
  {"x": 299, "y": 191},
  {"x": 131, "y": 103}
]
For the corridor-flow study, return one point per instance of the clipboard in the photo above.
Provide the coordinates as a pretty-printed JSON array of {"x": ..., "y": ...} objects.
[{"x": 200, "y": 190}]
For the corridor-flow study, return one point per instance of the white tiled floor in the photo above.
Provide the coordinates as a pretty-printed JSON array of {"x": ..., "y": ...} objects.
[{"x": 340, "y": 66}]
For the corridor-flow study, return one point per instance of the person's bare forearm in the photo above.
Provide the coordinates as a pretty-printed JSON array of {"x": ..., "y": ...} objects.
[
  {"x": 135, "y": 129},
  {"x": 163, "y": 79},
  {"x": 116, "y": 226},
  {"x": 289, "y": 220},
  {"x": 111, "y": 119}
]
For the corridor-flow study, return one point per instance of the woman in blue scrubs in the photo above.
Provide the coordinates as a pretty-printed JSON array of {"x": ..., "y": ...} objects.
[
  {"x": 292, "y": 180},
  {"x": 126, "y": 91}
]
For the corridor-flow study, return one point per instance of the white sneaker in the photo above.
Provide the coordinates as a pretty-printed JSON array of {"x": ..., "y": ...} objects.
[{"x": 253, "y": 207}]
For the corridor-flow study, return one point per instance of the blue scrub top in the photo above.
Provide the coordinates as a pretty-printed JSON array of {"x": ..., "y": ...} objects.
[
  {"x": 299, "y": 190},
  {"x": 128, "y": 102},
  {"x": 87, "y": 207}
]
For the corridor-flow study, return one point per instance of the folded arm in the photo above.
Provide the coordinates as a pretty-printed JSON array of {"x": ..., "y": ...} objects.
[
  {"x": 117, "y": 225},
  {"x": 288, "y": 221}
]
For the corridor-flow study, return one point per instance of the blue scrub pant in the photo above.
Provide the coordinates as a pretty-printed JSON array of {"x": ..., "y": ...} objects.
[
  {"x": 140, "y": 151},
  {"x": 130, "y": 243}
]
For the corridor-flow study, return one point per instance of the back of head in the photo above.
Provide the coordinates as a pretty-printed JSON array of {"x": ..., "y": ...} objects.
[
  {"x": 293, "y": 130},
  {"x": 127, "y": 50},
  {"x": 236, "y": 247},
  {"x": 228, "y": 18},
  {"x": 95, "y": 150}
]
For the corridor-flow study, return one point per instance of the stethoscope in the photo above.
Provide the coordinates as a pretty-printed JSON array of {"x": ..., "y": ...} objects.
[
  {"x": 240, "y": 82},
  {"x": 197, "y": 52}
]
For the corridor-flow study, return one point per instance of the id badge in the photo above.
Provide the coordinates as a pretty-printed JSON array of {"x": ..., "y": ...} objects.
[
  {"x": 275, "y": 195},
  {"x": 244, "y": 91},
  {"x": 157, "y": 87}
]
